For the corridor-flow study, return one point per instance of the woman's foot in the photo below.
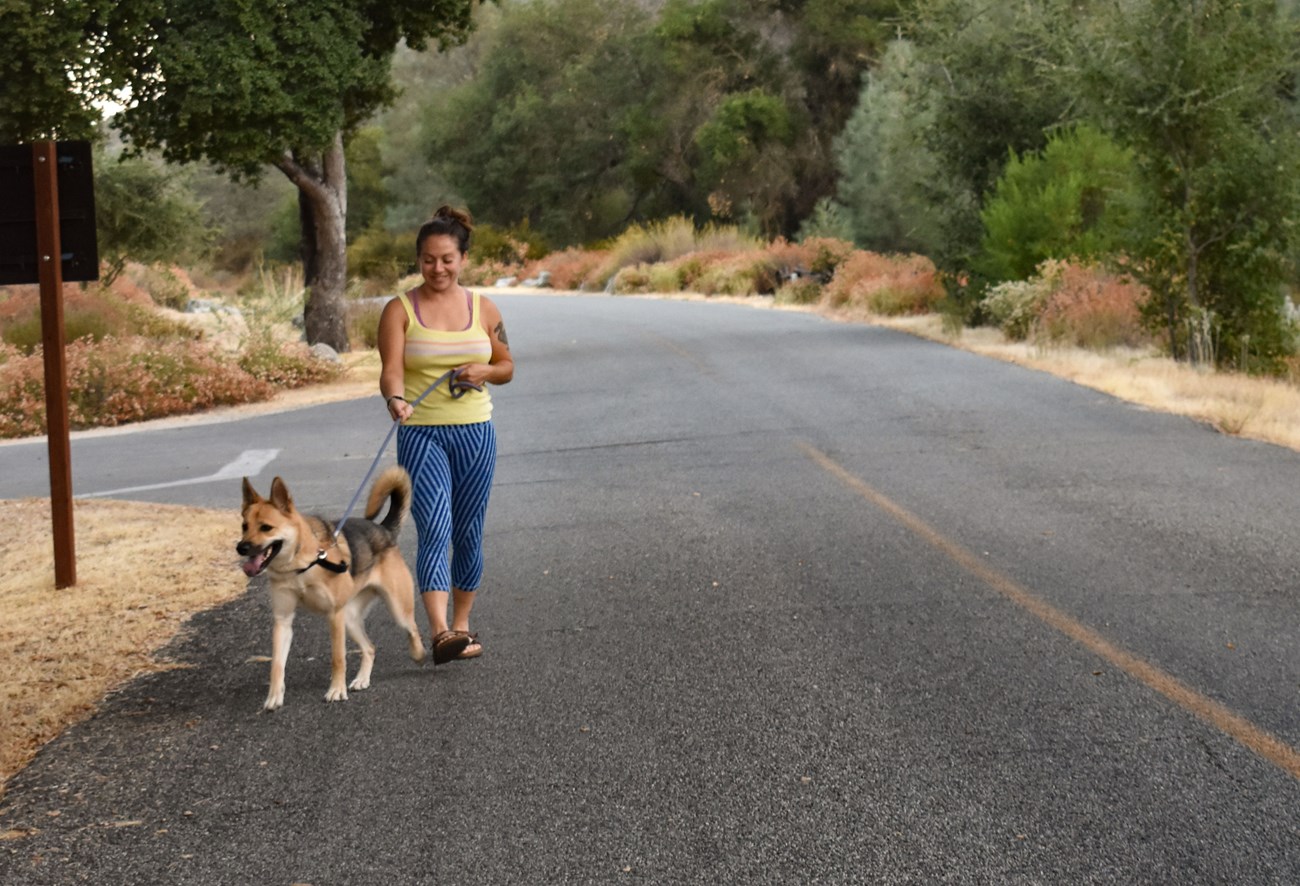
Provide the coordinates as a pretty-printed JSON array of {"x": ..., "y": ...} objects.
[
  {"x": 448, "y": 645},
  {"x": 473, "y": 650}
]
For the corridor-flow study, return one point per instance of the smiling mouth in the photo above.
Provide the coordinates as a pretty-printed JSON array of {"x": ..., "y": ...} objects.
[{"x": 256, "y": 563}]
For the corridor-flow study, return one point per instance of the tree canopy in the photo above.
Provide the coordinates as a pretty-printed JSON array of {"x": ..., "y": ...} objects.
[
  {"x": 53, "y": 67},
  {"x": 244, "y": 85},
  {"x": 715, "y": 109}
]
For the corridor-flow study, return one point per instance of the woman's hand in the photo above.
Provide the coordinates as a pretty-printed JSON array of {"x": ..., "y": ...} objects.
[
  {"x": 399, "y": 409},
  {"x": 474, "y": 374}
]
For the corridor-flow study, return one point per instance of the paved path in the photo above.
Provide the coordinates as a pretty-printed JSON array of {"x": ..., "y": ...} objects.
[{"x": 770, "y": 599}]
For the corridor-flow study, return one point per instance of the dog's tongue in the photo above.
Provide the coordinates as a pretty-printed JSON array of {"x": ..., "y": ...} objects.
[{"x": 253, "y": 565}]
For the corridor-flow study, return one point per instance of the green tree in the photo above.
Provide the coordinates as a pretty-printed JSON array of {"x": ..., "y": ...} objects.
[
  {"x": 1074, "y": 199},
  {"x": 144, "y": 212},
  {"x": 541, "y": 132},
  {"x": 242, "y": 216},
  {"x": 991, "y": 87},
  {"x": 414, "y": 188},
  {"x": 889, "y": 180},
  {"x": 246, "y": 85},
  {"x": 745, "y": 152},
  {"x": 640, "y": 111},
  {"x": 1202, "y": 91},
  {"x": 53, "y": 66},
  {"x": 832, "y": 46},
  {"x": 367, "y": 192}
]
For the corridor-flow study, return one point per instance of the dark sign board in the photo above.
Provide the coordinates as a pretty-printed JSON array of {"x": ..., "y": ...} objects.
[{"x": 19, "y": 261}]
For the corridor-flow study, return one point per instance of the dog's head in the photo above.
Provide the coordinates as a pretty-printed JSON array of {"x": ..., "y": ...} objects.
[{"x": 270, "y": 526}]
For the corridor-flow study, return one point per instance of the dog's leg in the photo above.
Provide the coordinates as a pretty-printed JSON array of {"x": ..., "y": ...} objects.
[
  {"x": 338, "y": 690},
  {"x": 399, "y": 597},
  {"x": 355, "y": 620},
  {"x": 281, "y": 637}
]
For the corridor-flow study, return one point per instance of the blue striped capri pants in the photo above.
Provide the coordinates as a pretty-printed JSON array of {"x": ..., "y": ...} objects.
[{"x": 451, "y": 469}]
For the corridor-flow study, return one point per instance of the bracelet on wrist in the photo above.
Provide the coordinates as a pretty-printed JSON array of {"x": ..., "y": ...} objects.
[{"x": 388, "y": 401}]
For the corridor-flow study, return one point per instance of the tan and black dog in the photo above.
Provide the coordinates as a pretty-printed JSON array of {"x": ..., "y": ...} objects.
[{"x": 342, "y": 582}]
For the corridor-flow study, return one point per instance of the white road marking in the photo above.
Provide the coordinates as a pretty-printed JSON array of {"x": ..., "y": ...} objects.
[{"x": 249, "y": 464}]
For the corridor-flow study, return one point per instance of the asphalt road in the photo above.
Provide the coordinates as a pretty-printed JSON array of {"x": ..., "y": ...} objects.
[{"x": 769, "y": 599}]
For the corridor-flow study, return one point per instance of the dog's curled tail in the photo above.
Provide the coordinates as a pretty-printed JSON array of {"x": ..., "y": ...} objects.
[{"x": 394, "y": 484}]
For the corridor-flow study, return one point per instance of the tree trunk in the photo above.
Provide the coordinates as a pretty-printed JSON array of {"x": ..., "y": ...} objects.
[
  {"x": 323, "y": 206},
  {"x": 1171, "y": 318}
]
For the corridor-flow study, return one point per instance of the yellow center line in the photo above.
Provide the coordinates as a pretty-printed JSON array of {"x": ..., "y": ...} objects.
[{"x": 1241, "y": 730}]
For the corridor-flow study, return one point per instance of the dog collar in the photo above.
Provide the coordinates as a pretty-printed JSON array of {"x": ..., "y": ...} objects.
[{"x": 336, "y": 568}]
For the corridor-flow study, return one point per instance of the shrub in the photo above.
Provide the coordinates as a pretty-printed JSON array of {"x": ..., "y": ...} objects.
[
  {"x": 800, "y": 291},
  {"x": 664, "y": 278},
  {"x": 820, "y": 256},
  {"x": 381, "y": 256},
  {"x": 791, "y": 259},
  {"x": 509, "y": 246},
  {"x": 574, "y": 268},
  {"x": 670, "y": 239},
  {"x": 116, "y": 381},
  {"x": 1065, "y": 303},
  {"x": 725, "y": 238},
  {"x": 92, "y": 313},
  {"x": 27, "y": 333},
  {"x": 689, "y": 270},
  {"x": 480, "y": 271},
  {"x": 283, "y": 364},
  {"x": 167, "y": 287},
  {"x": 745, "y": 273},
  {"x": 275, "y": 294},
  {"x": 634, "y": 280},
  {"x": 901, "y": 300},
  {"x": 363, "y": 324},
  {"x": 889, "y": 285},
  {"x": 1072, "y": 199},
  {"x": 1014, "y": 306},
  {"x": 1091, "y": 308},
  {"x": 653, "y": 242}
]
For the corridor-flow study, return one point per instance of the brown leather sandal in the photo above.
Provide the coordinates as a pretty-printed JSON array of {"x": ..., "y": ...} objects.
[
  {"x": 449, "y": 645},
  {"x": 473, "y": 649}
]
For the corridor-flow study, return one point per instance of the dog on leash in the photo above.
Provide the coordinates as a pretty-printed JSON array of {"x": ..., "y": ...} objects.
[{"x": 341, "y": 582}]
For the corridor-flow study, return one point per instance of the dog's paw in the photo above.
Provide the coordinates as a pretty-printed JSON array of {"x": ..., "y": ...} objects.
[
  {"x": 360, "y": 683},
  {"x": 274, "y": 701},
  {"x": 418, "y": 652},
  {"x": 336, "y": 693}
]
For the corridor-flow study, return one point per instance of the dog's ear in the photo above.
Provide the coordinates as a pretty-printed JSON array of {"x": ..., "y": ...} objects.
[
  {"x": 250, "y": 495},
  {"x": 280, "y": 496}
]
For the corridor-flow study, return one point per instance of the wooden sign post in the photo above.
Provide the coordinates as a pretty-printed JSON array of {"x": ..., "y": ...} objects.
[
  {"x": 45, "y": 172},
  {"x": 48, "y": 238}
]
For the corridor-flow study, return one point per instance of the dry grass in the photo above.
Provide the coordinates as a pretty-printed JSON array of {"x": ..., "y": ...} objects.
[
  {"x": 63, "y": 650},
  {"x": 1256, "y": 408}
]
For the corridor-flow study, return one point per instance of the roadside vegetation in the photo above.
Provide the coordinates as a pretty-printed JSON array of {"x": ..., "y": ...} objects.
[
  {"x": 1107, "y": 175},
  {"x": 130, "y": 357}
]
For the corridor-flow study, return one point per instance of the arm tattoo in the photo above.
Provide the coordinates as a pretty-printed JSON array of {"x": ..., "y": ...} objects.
[{"x": 501, "y": 333}]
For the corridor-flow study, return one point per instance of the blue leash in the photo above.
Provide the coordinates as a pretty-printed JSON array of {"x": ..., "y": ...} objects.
[{"x": 458, "y": 390}]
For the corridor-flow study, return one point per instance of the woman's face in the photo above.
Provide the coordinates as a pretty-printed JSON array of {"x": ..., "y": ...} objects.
[{"x": 441, "y": 261}]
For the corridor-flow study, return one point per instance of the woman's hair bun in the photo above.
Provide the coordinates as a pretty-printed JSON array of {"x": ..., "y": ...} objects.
[
  {"x": 460, "y": 216},
  {"x": 447, "y": 221}
]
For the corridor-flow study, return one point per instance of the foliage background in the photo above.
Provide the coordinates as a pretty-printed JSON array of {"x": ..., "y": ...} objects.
[{"x": 1153, "y": 140}]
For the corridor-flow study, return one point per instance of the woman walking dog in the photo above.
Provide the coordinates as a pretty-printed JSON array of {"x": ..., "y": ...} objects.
[{"x": 447, "y": 443}]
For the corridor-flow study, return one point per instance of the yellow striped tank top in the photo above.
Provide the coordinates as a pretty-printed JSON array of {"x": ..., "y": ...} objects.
[{"x": 430, "y": 353}]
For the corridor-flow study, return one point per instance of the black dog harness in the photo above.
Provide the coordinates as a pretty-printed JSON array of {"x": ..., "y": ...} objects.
[{"x": 336, "y": 568}]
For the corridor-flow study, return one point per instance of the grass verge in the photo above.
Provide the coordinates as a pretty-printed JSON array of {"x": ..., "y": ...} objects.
[{"x": 63, "y": 650}]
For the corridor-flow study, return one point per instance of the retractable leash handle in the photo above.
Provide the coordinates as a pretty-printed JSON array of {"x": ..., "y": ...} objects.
[{"x": 458, "y": 389}]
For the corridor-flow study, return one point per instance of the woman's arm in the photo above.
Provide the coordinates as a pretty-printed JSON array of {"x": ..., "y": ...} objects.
[
  {"x": 501, "y": 367},
  {"x": 392, "y": 358}
]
